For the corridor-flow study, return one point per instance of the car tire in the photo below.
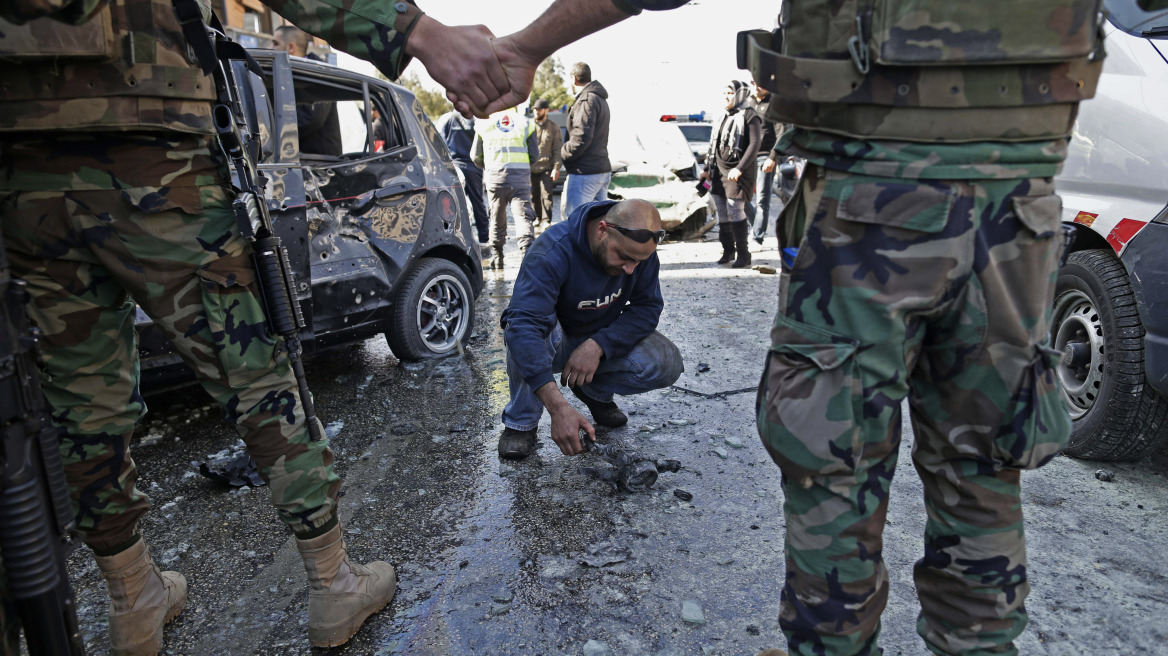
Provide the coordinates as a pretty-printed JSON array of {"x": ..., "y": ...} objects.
[
  {"x": 433, "y": 313},
  {"x": 1115, "y": 414}
]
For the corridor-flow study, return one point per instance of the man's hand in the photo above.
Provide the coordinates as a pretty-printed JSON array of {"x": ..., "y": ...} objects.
[
  {"x": 462, "y": 60},
  {"x": 566, "y": 421},
  {"x": 555, "y": 175},
  {"x": 582, "y": 364},
  {"x": 768, "y": 165},
  {"x": 519, "y": 68},
  {"x": 734, "y": 174}
]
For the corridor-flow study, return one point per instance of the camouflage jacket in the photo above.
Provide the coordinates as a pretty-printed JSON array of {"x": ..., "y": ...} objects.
[
  {"x": 125, "y": 64},
  {"x": 929, "y": 70},
  {"x": 132, "y": 110},
  {"x": 928, "y": 90}
]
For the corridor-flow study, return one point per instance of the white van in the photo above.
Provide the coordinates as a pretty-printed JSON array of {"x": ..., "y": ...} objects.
[{"x": 1111, "y": 304}]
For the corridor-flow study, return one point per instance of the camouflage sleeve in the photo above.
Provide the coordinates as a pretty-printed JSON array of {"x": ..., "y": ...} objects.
[
  {"x": 74, "y": 12},
  {"x": 373, "y": 30},
  {"x": 634, "y": 7}
]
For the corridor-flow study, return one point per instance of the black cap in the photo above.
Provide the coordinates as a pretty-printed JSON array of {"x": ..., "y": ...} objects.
[{"x": 542, "y": 103}]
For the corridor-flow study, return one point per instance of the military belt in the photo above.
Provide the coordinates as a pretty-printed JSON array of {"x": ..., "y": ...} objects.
[{"x": 800, "y": 79}]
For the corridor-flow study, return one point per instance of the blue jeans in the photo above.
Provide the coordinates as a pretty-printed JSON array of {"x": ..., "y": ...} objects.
[
  {"x": 653, "y": 363},
  {"x": 580, "y": 189},
  {"x": 762, "y": 199}
]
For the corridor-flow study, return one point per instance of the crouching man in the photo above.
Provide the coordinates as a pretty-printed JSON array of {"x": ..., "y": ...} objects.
[{"x": 585, "y": 305}]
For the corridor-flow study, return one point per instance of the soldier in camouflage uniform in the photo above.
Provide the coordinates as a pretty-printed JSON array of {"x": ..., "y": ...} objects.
[
  {"x": 113, "y": 193},
  {"x": 928, "y": 239}
]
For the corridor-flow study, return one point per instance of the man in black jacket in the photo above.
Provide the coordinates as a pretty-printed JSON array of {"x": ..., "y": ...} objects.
[{"x": 585, "y": 153}]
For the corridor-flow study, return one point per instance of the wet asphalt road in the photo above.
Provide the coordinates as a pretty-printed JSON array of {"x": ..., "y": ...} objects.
[{"x": 537, "y": 557}]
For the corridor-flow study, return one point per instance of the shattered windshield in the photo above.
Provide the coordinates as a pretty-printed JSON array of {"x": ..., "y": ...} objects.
[{"x": 1146, "y": 18}]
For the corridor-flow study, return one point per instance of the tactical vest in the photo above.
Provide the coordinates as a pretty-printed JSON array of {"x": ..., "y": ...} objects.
[
  {"x": 505, "y": 146},
  {"x": 127, "y": 68},
  {"x": 929, "y": 70}
]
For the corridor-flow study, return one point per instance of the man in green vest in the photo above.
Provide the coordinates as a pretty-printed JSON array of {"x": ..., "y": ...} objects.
[
  {"x": 928, "y": 237},
  {"x": 505, "y": 145}
]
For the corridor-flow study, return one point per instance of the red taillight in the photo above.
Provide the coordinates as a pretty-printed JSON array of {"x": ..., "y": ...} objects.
[{"x": 447, "y": 208}]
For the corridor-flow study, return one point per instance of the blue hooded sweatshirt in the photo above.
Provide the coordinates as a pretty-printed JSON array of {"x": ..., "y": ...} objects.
[{"x": 561, "y": 281}]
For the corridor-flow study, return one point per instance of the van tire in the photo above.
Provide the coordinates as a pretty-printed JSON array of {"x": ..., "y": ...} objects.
[
  {"x": 1115, "y": 414},
  {"x": 433, "y": 312}
]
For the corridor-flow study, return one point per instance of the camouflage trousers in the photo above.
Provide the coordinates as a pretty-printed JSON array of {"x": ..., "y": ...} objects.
[
  {"x": 938, "y": 292},
  {"x": 88, "y": 257}
]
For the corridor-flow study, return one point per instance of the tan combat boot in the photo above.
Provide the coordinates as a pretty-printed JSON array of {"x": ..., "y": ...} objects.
[
  {"x": 142, "y": 600},
  {"x": 772, "y": 652},
  {"x": 342, "y": 593}
]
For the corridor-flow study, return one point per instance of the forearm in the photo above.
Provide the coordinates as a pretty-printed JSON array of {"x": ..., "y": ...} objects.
[
  {"x": 551, "y": 398},
  {"x": 564, "y": 22},
  {"x": 374, "y": 31},
  {"x": 74, "y": 12},
  {"x": 754, "y": 130},
  {"x": 633, "y": 325}
]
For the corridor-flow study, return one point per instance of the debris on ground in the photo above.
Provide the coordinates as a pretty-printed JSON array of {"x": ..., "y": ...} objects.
[
  {"x": 691, "y": 613},
  {"x": 769, "y": 270},
  {"x": 597, "y": 648},
  {"x": 631, "y": 472},
  {"x": 604, "y": 554},
  {"x": 1105, "y": 475},
  {"x": 232, "y": 466},
  {"x": 683, "y": 495}
]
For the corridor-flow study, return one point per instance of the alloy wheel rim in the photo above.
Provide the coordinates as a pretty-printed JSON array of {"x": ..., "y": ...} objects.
[{"x": 441, "y": 314}]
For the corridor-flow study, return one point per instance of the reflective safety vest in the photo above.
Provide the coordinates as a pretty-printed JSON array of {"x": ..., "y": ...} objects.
[
  {"x": 929, "y": 70},
  {"x": 504, "y": 136},
  {"x": 126, "y": 68}
]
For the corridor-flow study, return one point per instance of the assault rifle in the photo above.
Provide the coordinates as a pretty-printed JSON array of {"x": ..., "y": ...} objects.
[
  {"x": 36, "y": 516},
  {"x": 223, "y": 59}
]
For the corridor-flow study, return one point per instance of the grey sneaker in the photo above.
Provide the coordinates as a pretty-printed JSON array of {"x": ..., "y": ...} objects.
[{"x": 516, "y": 444}]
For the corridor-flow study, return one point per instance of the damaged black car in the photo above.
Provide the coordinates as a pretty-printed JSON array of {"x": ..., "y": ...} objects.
[{"x": 378, "y": 231}]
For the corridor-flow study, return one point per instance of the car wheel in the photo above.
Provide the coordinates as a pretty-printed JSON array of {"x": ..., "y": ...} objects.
[
  {"x": 434, "y": 311},
  {"x": 1116, "y": 414}
]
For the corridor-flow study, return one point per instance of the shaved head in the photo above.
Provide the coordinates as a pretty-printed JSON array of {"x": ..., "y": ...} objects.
[
  {"x": 634, "y": 213},
  {"x": 619, "y": 254},
  {"x": 292, "y": 39}
]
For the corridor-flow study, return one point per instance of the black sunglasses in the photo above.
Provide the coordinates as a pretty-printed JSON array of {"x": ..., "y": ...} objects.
[{"x": 639, "y": 235}]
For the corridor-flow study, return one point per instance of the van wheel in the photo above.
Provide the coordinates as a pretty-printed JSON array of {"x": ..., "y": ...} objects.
[
  {"x": 433, "y": 313},
  {"x": 1116, "y": 414}
]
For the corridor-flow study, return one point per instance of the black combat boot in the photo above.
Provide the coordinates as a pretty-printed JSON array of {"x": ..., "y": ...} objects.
[
  {"x": 740, "y": 231},
  {"x": 726, "y": 236}
]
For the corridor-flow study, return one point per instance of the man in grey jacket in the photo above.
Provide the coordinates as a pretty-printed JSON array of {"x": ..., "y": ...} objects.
[{"x": 585, "y": 154}]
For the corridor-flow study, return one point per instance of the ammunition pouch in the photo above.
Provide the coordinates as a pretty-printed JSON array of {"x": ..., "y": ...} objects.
[{"x": 913, "y": 74}]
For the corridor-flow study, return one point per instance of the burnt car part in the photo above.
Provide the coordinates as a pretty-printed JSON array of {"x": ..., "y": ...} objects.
[{"x": 378, "y": 237}]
